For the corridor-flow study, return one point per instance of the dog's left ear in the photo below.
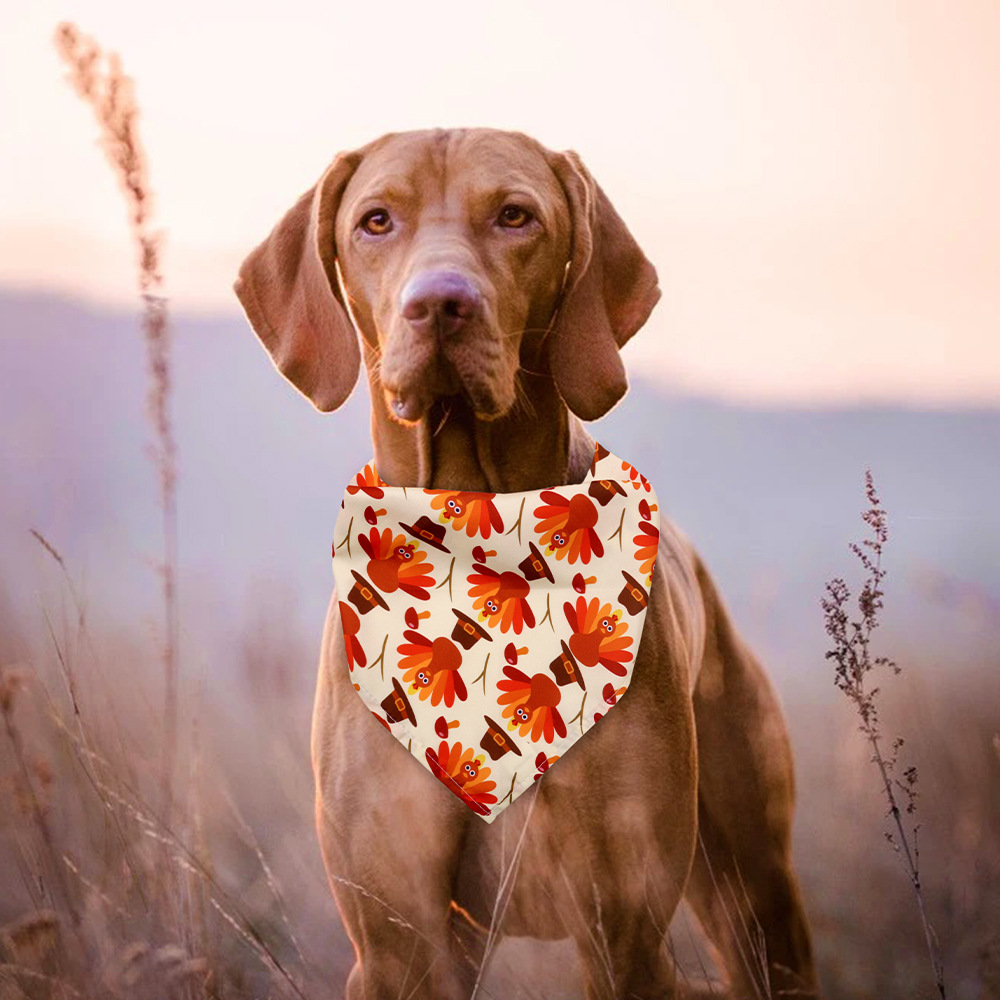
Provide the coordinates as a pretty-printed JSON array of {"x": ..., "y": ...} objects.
[
  {"x": 610, "y": 290},
  {"x": 289, "y": 291}
]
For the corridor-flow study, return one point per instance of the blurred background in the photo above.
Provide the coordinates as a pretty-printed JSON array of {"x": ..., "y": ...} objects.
[{"x": 816, "y": 185}]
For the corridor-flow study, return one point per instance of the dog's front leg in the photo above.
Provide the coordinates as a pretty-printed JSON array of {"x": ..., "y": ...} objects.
[{"x": 390, "y": 839}]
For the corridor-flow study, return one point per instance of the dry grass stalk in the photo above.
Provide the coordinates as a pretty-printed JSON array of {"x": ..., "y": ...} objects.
[
  {"x": 854, "y": 661},
  {"x": 111, "y": 95}
]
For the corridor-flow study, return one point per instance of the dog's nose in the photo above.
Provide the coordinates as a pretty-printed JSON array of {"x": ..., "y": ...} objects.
[{"x": 444, "y": 300}]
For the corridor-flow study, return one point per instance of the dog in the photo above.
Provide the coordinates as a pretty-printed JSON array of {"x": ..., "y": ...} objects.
[{"x": 488, "y": 284}]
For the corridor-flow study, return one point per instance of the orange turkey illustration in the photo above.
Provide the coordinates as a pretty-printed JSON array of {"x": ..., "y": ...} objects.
[
  {"x": 368, "y": 482},
  {"x": 352, "y": 625},
  {"x": 639, "y": 481},
  {"x": 396, "y": 563},
  {"x": 475, "y": 512},
  {"x": 530, "y": 704},
  {"x": 598, "y": 635},
  {"x": 431, "y": 667},
  {"x": 501, "y": 597},
  {"x": 567, "y": 526},
  {"x": 646, "y": 543},
  {"x": 465, "y": 773}
]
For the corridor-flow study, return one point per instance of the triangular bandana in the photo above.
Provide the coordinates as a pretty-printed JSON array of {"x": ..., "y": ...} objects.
[{"x": 489, "y": 631}]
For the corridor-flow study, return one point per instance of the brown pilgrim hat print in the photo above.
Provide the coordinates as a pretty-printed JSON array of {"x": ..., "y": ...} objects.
[
  {"x": 428, "y": 531},
  {"x": 565, "y": 668},
  {"x": 534, "y": 566},
  {"x": 599, "y": 452},
  {"x": 496, "y": 742},
  {"x": 468, "y": 632},
  {"x": 602, "y": 490},
  {"x": 633, "y": 596},
  {"x": 364, "y": 596},
  {"x": 397, "y": 705}
]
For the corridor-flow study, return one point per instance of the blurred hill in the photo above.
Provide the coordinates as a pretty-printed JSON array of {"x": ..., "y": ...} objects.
[{"x": 771, "y": 497}]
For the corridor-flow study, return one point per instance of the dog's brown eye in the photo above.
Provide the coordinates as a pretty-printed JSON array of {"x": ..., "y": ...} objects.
[
  {"x": 514, "y": 216},
  {"x": 376, "y": 222}
]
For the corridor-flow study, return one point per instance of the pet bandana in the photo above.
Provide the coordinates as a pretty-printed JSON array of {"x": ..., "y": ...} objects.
[{"x": 489, "y": 631}]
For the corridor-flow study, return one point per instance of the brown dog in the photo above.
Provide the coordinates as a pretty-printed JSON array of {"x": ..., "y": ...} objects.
[{"x": 492, "y": 284}]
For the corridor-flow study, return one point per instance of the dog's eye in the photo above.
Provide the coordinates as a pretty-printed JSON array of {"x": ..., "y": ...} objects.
[
  {"x": 514, "y": 216},
  {"x": 376, "y": 222}
]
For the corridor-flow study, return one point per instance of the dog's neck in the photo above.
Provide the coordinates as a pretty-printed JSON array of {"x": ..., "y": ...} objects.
[{"x": 538, "y": 444}]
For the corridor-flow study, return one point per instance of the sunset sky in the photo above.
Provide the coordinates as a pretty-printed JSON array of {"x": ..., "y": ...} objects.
[{"x": 817, "y": 183}]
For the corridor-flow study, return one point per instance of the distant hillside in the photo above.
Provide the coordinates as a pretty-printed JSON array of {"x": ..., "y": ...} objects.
[{"x": 771, "y": 497}]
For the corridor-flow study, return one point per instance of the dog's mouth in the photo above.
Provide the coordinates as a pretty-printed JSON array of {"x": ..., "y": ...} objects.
[
  {"x": 439, "y": 390},
  {"x": 411, "y": 407}
]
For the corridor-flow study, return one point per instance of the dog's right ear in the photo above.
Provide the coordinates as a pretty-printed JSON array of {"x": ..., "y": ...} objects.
[{"x": 289, "y": 291}]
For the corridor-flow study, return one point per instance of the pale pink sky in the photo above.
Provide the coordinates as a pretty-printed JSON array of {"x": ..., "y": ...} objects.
[{"x": 816, "y": 182}]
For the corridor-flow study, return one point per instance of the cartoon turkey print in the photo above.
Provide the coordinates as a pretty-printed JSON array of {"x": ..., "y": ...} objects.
[
  {"x": 395, "y": 562},
  {"x": 566, "y": 526},
  {"x": 352, "y": 625},
  {"x": 368, "y": 482},
  {"x": 474, "y": 512},
  {"x": 501, "y": 597},
  {"x": 598, "y": 635},
  {"x": 530, "y": 704},
  {"x": 431, "y": 668},
  {"x": 639, "y": 481},
  {"x": 646, "y": 543},
  {"x": 465, "y": 773}
]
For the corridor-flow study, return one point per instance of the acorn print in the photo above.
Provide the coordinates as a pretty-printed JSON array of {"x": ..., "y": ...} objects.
[
  {"x": 431, "y": 668},
  {"x": 443, "y": 726},
  {"x": 413, "y": 618},
  {"x": 530, "y": 704},
  {"x": 372, "y": 515},
  {"x": 512, "y": 652},
  {"x": 598, "y": 635},
  {"x": 474, "y": 512},
  {"x": 566, "y": 525},
  {"x": 543, "y": 763}
]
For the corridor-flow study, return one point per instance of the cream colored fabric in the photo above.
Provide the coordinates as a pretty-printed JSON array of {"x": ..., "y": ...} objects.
[{"x": 489, "y": 632}]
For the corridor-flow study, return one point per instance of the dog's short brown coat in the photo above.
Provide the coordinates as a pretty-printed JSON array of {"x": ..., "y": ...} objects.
[{"x": 606, "y": 845}]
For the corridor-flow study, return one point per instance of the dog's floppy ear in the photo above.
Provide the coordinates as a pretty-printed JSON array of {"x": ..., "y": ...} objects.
[
  {"x": 289, "y": 291},
  {"x": 610, "y": 290}
]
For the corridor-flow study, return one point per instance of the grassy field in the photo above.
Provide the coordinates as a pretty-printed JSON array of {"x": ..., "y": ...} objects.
[{"x": 101, "y": 897}]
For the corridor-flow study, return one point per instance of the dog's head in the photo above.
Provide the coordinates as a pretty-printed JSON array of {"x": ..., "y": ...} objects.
[{"x": 463, "y": 255}]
